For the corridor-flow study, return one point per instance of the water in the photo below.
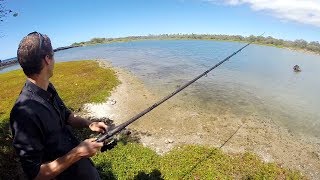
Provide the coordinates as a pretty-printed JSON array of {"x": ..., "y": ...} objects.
[{"x": 258, "y": 81}]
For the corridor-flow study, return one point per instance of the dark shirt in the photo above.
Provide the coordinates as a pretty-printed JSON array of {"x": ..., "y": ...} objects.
[{"x": 41, "y": 133}]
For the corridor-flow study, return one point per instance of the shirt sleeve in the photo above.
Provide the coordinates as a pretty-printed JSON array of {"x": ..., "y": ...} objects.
[
  {"x": 27, "y": 139},
  {"x": 67, "y": 112}
]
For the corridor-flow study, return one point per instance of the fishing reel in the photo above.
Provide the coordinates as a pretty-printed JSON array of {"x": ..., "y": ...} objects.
[{"x": 109, "y": 144}]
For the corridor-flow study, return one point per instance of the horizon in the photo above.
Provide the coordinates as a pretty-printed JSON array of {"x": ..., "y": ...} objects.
[{"x": 69, "y": 22}]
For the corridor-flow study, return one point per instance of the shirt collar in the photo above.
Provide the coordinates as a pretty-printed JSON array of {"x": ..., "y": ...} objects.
[{"x": 39, "y": 91}]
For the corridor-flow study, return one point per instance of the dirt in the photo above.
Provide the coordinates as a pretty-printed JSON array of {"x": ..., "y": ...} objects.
[{"x": 175, "y": 123}]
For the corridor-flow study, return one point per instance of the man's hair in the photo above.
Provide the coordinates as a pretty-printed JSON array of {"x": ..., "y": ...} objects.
[{"x": 32, "y": 50}]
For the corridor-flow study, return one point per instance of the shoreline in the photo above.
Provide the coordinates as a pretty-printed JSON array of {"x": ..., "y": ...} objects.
[
  {"x": 159, "y": 39},
  {"x": 161, "y": 131}
]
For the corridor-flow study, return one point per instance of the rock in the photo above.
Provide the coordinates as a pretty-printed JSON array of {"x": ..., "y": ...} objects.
[
  {"x": 315, "y": 155},
  {"x": 296, "y": 68},
  {"x": 168, "y": 141},
  {"x": 112, "y": 102}
]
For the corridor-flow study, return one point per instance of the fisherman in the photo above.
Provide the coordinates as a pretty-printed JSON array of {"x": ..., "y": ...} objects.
[{"x": 41, "y": 123}]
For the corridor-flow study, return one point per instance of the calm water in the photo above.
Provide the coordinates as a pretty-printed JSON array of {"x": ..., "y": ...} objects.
[{"x": 258, "y": 81}]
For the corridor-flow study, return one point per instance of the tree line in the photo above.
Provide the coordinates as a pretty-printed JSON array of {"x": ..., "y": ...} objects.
[{"x": 299, "y": 44}]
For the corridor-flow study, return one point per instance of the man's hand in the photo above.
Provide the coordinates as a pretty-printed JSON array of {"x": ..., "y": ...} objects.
[
  {"x": 88, "y": 148},
  {"x": 98, "y": 127},
  {"x": 52, "y": 169}
]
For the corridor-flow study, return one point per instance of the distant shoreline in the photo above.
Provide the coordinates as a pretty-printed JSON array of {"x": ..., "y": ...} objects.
[{"x": 297, "y": 45}]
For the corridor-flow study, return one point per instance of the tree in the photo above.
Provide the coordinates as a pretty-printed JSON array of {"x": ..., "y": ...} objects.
[
  {"x": 300, "y": 43},
  {"x": 314, "y": 46},
  {"x": 252, "y": 38},
  {"x": 98, "y": 40},
  {"x": 4, "y": 12},
  {"x": 314, "y": 43}
]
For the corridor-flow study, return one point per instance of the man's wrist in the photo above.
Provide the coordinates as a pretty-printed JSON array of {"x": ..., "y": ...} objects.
[{"x": 76, "y": 152}]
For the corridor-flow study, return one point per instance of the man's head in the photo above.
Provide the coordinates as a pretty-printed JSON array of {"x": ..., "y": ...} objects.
[{"x": 35, "y": 53}]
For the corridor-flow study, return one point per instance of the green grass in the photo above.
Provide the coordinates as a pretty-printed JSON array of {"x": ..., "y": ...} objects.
[
  {"x": 133, "y": 161},
  {"x": 77, "y": 82},
  {"x": 80, "y": 82},
  {"x": 126, "y": 162}
]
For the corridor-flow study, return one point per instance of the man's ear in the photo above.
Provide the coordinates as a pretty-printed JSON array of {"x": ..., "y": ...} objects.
[{"x": 47, "y": 59}]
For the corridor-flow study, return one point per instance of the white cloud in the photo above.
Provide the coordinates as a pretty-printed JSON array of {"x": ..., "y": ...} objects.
[{"x": 302, "y": 11}]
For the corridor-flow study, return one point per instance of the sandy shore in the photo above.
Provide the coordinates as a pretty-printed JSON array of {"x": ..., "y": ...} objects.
[{"x": 175, "y": 123}]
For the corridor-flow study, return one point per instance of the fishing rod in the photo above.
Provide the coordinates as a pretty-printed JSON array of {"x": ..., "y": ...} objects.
[{"x": 120, "y": 127}]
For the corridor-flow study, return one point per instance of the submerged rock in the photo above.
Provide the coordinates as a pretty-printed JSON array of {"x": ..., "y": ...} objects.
[
  {"x": 112, "y": 102},
  {"x": 296, "y": 68}
]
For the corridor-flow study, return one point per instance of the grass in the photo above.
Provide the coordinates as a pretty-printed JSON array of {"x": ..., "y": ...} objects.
[
  {"x": 199, "y": 162},
  {"x": 77, "y": 82},
  {"x": 133, "y": 161},
  {"x": 126, "y": 162},
  {"x": 80, "y": 82}
]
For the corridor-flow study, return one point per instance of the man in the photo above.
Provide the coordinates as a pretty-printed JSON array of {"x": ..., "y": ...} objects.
[{"x": 40, "y": 121}]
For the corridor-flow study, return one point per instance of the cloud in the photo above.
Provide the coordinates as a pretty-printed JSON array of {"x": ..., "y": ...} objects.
[{"x": 301, "y": 11}]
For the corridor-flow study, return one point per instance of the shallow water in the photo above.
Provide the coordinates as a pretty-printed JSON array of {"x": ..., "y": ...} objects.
[{"x": 258, "y": 81}]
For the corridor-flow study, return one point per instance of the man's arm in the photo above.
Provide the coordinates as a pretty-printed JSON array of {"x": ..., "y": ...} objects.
[
  {"x": 50, "y": 170},
  {"x": 79, "y": 122},
  {"x": 29, "y": 139}
]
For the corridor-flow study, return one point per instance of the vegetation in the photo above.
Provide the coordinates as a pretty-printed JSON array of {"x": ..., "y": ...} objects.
[
  {"x": 299, "y": 44},
  {"x": 133, "y": 161},
  {"x": 77, "y": 82},
  {"x": 4, "y": 12},
  {"x": 84, "y": 81},
  {"x": 80, "y": 82}
]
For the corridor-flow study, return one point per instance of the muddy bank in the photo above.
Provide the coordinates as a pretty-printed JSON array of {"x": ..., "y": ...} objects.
[{"x": 178, "y": 122}]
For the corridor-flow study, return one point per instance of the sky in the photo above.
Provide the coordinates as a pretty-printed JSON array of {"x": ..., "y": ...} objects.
[{"x": 69, "y": 21}]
